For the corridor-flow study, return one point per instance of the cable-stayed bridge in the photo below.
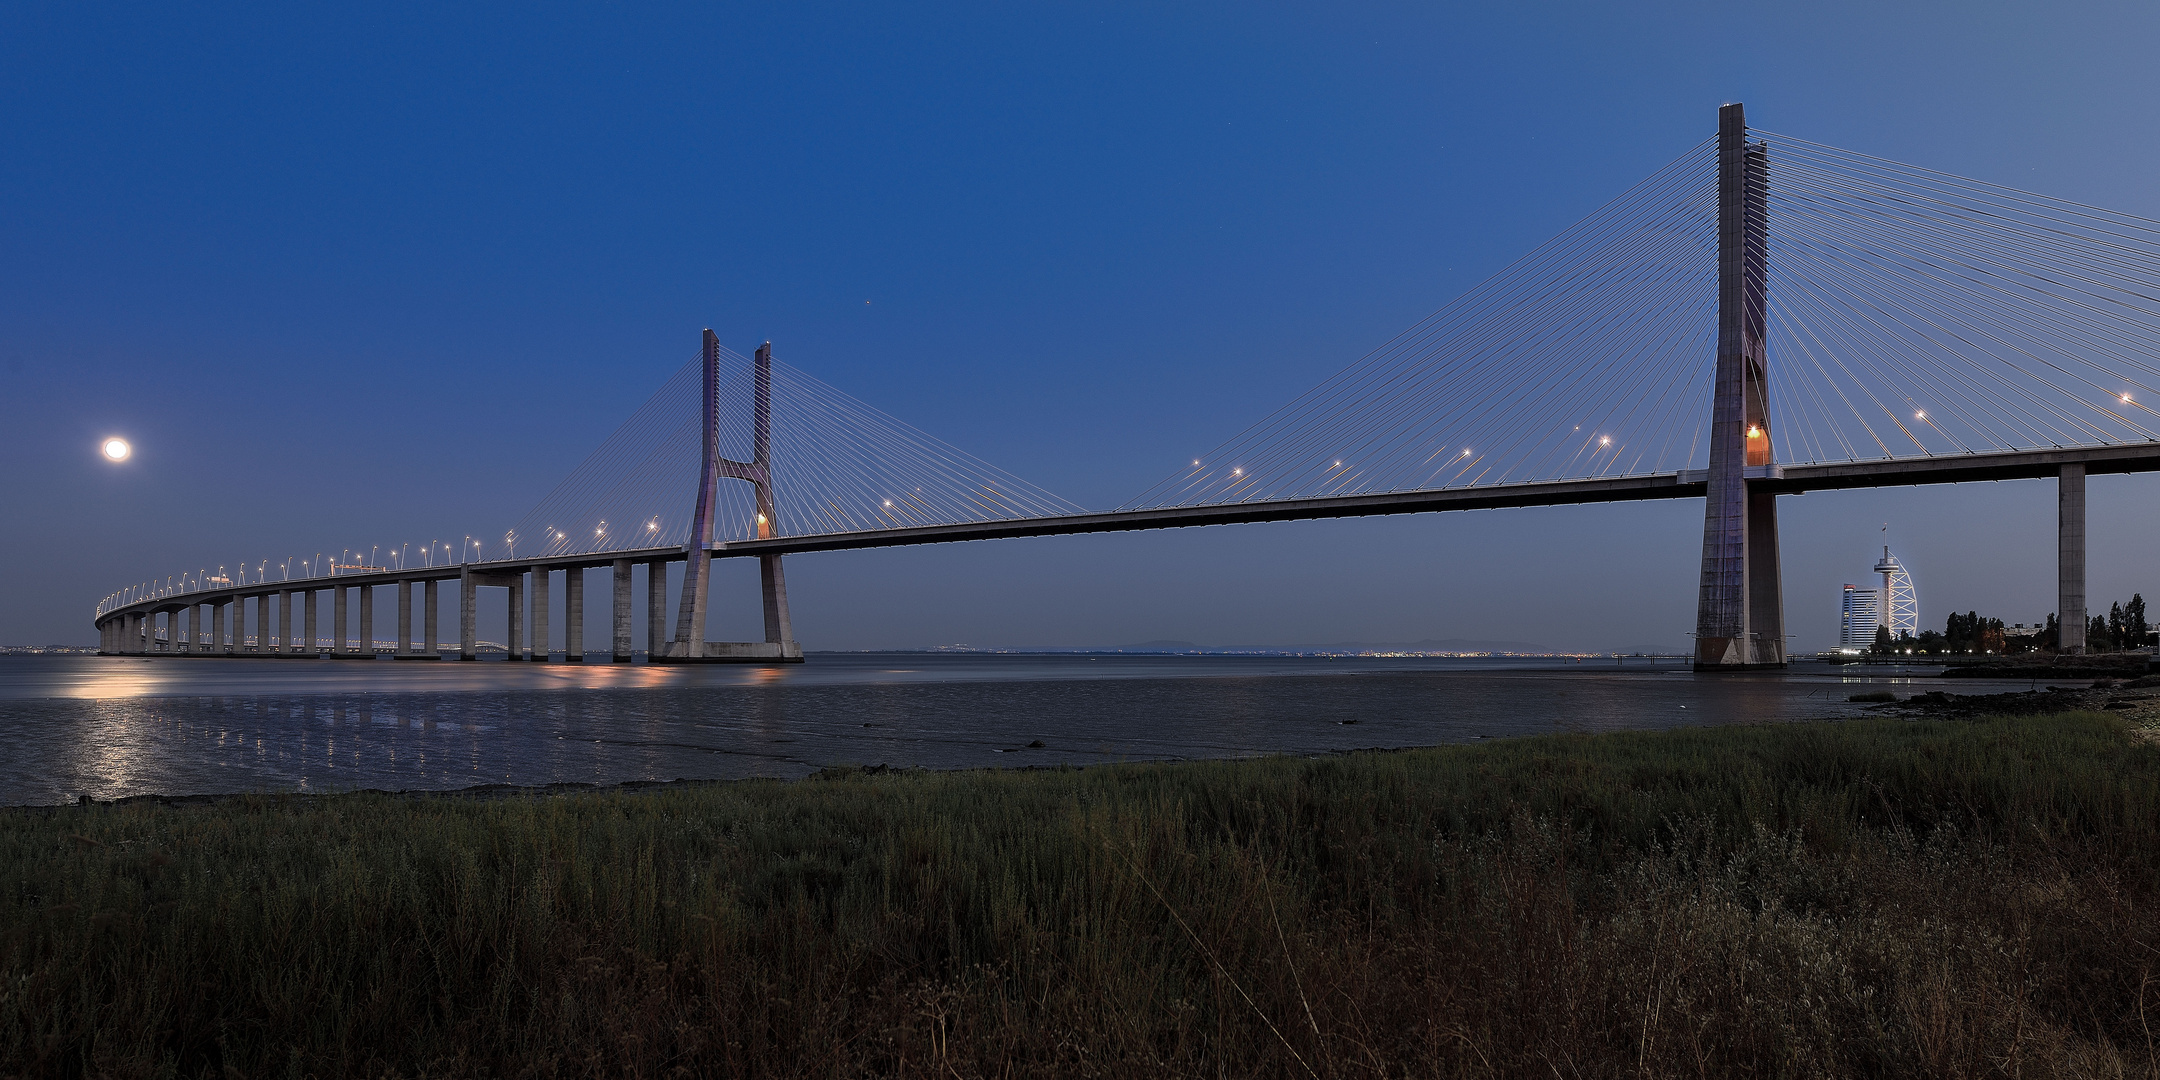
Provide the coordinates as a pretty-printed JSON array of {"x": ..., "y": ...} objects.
[{"x": 1763, "y": 316}]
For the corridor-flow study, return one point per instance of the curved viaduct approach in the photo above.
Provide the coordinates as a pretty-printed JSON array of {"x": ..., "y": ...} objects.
[{"x": 2020, "y": 347}]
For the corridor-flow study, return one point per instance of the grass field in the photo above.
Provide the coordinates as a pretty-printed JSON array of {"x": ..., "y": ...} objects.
[{"x": 1939, "y": 898}]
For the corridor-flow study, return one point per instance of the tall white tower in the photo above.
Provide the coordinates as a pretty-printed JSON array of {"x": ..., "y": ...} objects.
[{"x": 1900, "y": 606}]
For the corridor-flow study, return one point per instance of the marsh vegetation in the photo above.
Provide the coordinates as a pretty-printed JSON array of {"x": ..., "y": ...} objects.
[{"x": 1878, "y": 896}]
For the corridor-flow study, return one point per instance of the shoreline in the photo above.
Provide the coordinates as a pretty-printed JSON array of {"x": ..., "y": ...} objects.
[{"x": 2139, "y": 703}]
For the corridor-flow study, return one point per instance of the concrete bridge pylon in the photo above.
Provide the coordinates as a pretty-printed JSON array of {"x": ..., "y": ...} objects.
[
  {"x": 689, "y": 645},
  {"x": 1740, "y": 607}
]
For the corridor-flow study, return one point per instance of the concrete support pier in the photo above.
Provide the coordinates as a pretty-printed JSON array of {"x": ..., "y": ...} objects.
[
  {"x": 404, "y": 620},
  {"x": 573, "y": 581},
  {"x": 311, "y": 628},
  {"x": 284, "y": 641},
  {"x": 340, "y": 620},
  {"x": 265, "y": 625},
  {"x": 367, "y": 622},
  {"x": 514, "y": 628},
  {"x": 468, "y": 614},
  {"x": 779, "y": 629},
  {"x": 621, "y": 643},
  {"x": 2070, "y": 557},
  {"x": 655, "y": 609},
  {"x": 540, "y": 614},
  {"x": 194, "y": 626},
  {"x": 428, "y": 621},
  {"x": 218, "y": 641}
]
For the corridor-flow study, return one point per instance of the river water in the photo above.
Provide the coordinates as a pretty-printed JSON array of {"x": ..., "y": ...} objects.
[{"x": 110, "y": 727}]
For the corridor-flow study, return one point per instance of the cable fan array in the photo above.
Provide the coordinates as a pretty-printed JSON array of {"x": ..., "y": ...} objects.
[
  {"x": 1911, "y": 313},
  {"x": 838, "y": 466},
  {"x": 1583, "y": 358},
  {"x": 1914, "y": 312}
]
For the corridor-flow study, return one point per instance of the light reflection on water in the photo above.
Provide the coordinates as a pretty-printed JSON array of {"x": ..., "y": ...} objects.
[{"x": 110, "y": 727}]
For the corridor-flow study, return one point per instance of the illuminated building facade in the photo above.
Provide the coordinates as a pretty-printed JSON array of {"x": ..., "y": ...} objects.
[{"x": 1861, "y": 615}]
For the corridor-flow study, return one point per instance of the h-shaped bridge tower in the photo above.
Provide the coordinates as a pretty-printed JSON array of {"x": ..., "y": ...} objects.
[{"x": 690, "y": 645}]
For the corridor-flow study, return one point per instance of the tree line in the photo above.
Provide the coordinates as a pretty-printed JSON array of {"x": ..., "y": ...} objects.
[{"x": 2123, "y": 627}]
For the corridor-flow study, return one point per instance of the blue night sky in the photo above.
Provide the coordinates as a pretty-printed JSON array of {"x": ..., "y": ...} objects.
[{"x": 385, "y": 275}]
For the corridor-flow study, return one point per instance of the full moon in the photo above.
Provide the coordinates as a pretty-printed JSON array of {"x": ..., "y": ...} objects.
[{"x": 117, "y": 450}]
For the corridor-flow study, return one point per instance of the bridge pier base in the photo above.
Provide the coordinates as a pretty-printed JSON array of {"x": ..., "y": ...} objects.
[
  {"x": 514, "y": 632},
  {"x": 340, "y": 620},
  {"x": 620, "y": 642},
  {"x": 404, "y": 620},
  {"x": 311, "y": 624},
  {"x": 540, "y": 634},
  {"x": 218, "y": 642},
  {"x": 428, "y": 620},
  {"x": 468, "y": 616},
  {"x": 367, "y": 622},
  {"x": 2070, "y": 557},
  {"x": 194, "y": 626},
  {"x": 779, "y": 627},
  {"x": 656, "y": 643},
  {"x": 573, "y": 582}
]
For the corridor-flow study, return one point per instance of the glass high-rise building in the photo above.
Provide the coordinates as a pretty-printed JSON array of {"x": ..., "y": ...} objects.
[{"x": 1861, "y": 615}]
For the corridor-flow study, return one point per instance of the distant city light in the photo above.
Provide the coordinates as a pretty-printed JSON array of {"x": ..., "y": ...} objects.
[{"x": 117, "y": 450}]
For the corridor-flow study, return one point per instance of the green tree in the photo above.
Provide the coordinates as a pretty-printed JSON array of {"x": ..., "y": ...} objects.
[
  {"x": 2096, "y": 635},
  {"x": 2134, "y": 621},
  {"x": 1883, "y": 644}
]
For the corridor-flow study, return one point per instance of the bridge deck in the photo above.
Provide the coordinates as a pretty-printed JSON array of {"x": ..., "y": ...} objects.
[
  {"x": 1789, "y": 480},
  {"x": 1794, "y": 480}
]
